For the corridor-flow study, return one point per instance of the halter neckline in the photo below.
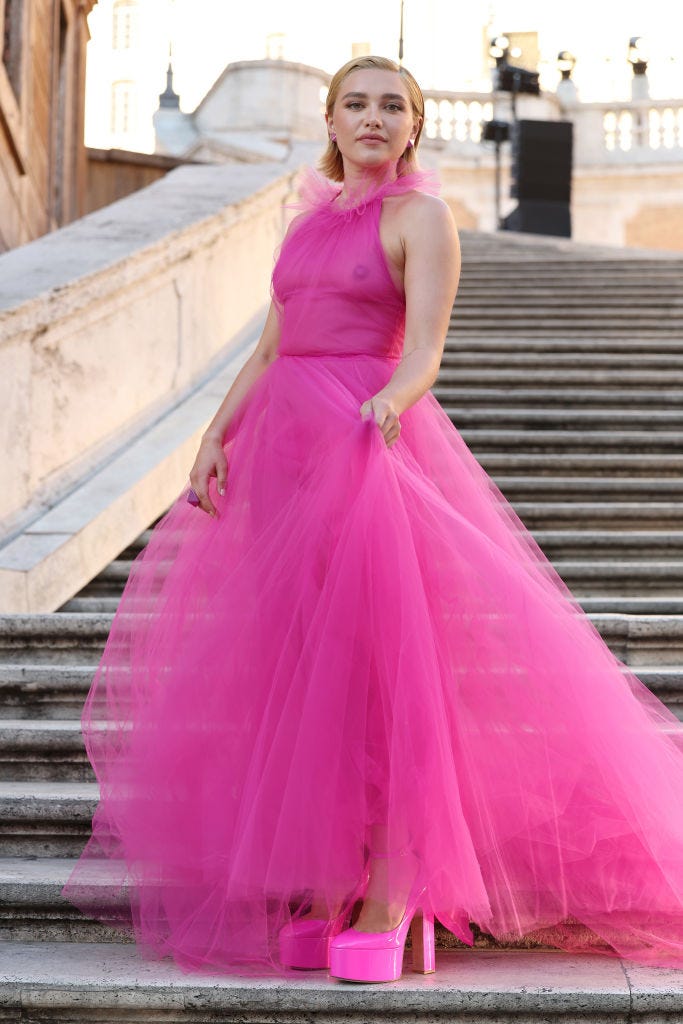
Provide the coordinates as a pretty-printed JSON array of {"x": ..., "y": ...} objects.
[{"x": 318, "y": 192}]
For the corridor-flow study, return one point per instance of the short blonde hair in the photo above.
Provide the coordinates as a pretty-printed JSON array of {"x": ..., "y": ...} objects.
[{"x": 331, "y": 163}]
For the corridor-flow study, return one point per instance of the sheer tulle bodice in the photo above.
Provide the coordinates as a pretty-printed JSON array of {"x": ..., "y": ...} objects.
[{"x": 367, "y": 640}]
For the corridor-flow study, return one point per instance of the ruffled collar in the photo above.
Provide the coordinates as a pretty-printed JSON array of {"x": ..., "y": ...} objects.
[{"x": 316, "y": 192}]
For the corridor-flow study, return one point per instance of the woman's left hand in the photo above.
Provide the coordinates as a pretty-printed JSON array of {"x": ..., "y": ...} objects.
[{"x": 385, "y": 417}]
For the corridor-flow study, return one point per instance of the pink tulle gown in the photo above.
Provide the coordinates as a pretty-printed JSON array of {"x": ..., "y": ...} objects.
[{"x": 366, "y": 642}]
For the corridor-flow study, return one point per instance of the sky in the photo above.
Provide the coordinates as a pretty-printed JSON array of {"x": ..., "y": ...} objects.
[{"x": 442, "y": 38}]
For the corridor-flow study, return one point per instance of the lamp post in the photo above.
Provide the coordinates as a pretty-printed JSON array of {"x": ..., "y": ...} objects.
[
  {"x": 566, "y": 89},
  {"x": 565, "y": 64},
  {"x": 499, "y": 49},
  {"x": 400, "y": 38},
  {"x": 638, "y": 56}
]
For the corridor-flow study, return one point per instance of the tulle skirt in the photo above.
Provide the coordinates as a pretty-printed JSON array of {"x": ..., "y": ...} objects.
[{"x": 367, "y": 651}]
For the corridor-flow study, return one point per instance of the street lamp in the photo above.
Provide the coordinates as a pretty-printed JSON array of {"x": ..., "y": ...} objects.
[
  {"x": 566, "y": 89},
  {"x": 565, "y": 64},
  {"x": 638, "y": 55},
  {"x": 499, "y": 48}
]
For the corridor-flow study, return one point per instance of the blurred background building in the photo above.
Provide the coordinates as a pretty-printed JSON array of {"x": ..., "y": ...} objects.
[
  {"x": 42, "y": 80},
  {"x": 174, "y": 81}
]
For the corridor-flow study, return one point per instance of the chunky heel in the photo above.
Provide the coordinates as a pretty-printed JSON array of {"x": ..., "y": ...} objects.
[
  {"x": 422, "y": 939},
  {"x": 378, "y": 956}
]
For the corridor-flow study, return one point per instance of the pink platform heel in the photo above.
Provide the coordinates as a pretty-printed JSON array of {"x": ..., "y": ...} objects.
[
  {"x": 305, "y": 944},
  {"x": 378, "y": 956}
]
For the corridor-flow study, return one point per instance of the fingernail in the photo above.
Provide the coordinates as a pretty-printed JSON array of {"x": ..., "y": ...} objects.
[{"x": 221, "y": 490}]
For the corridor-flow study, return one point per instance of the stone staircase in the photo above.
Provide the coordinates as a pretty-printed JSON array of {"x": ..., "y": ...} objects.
[{"x": 563, "y": 371}]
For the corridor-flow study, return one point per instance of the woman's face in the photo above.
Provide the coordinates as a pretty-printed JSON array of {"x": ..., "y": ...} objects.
[{"x": 372, "y": 117}]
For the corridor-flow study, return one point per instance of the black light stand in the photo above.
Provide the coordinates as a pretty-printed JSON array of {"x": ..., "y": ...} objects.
[{"x": 497, "y": 132}]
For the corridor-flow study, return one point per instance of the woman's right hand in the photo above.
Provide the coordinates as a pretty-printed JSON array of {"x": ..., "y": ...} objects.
[{"x": 210, "y": 461}]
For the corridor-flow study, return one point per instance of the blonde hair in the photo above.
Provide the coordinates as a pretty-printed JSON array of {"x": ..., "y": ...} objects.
[{"x": 331, "y": 163}]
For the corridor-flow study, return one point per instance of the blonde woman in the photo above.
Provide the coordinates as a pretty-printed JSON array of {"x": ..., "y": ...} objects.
[{"x": 347, "y": 694}]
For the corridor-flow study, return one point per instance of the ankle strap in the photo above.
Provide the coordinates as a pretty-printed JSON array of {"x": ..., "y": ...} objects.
[{"x": 401, "y": 851}]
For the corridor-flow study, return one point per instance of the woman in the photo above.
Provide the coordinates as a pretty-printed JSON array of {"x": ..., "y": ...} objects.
[{"x": 357, "y": 683}]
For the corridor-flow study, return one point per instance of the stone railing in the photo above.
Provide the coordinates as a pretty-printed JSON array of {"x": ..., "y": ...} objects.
[
  {"x": 456, "y": 116},
  {"x": 656, "y": 126},
  {"x": 633, "y": 131},
  {"x": 109, "y": 329}
]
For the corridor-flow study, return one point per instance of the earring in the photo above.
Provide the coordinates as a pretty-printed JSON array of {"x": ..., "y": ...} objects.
[
  {"x": 333, "y": 137},
  {"x": 410, "y": 144}
]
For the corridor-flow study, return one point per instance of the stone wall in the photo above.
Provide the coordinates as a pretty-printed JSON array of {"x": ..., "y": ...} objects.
[{"x": 106, "y": 323}]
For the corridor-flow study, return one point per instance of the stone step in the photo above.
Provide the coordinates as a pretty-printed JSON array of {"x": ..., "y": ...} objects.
[
  {"x": 644, "y": 574},
  {"x": 485, "y": 370},
  {"x": 89, "y": 603},
  {"x": 47, "y": 692},
  {"x": 642, "y": 639},
  {"x": 558, "y": 288},
  {"x": 596, "y": 577},
  {"x": 525, "y": 266},
  {"x": 32, "y": 909},
  {"x": 631, "y": 343},
  {"x": 632, "y": 604},
  {"x": 45, "y": 819},
  {"x": 634, "y": 545},
  {"x": 569, "y": 327},
  {"x": 61, "y": 634},
  {"x": 49, "y": 750},
  {"x": 596, "y": 316},
  {"x": 584, "y": 488},
  {"x": 611, "y": 515},
  {"x": 44, "y": 691},
  {"x": 560, "y": 441},
  {"x": 631, "y": 464},
  {"x": 52, "y": 750},
  {"x": 600, "y": 331},
  {"x": 580, "y": 304},
  {"x": 53, "y": 818},
  {"x": 493, "y": 274},
  {"x": 580, "y": 308},
  {"x": 552, "y": 417},
  {"x": 111, "y": 982},
  {"x": 53, "y": 639},
  {"x": 497, "y": 283},
  {"x": 622, "y": 367},
  {"x": 570, "y": 399},
  {"x": 535, "y": 346},
  {"x": 617, "y": 575}
]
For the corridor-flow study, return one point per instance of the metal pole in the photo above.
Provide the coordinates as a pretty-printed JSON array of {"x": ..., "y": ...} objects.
[
  {"x": 498, "y": 223},
  {"x": 400, "y": 37}
]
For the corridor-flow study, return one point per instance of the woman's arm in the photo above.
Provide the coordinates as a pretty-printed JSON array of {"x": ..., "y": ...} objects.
[
  {"x": 211, "y": 460},
  {"x": 431, "y": 276}
]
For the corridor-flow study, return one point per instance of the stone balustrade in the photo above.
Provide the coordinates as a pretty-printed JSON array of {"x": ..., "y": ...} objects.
[
  {"x": 605, "y": 132},
  {"x": 107, "y": 327}
]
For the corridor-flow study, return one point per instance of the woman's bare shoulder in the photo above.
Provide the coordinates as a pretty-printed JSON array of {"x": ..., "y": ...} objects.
[
  {"x": 420, "y": 210},
  {"x": 423, "y": 205}
]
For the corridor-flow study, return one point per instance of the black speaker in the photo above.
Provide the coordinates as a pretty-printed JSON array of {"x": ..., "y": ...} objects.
[
  {"x": 542, "y": 160},
  {"x": 540, "y": 217}
]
